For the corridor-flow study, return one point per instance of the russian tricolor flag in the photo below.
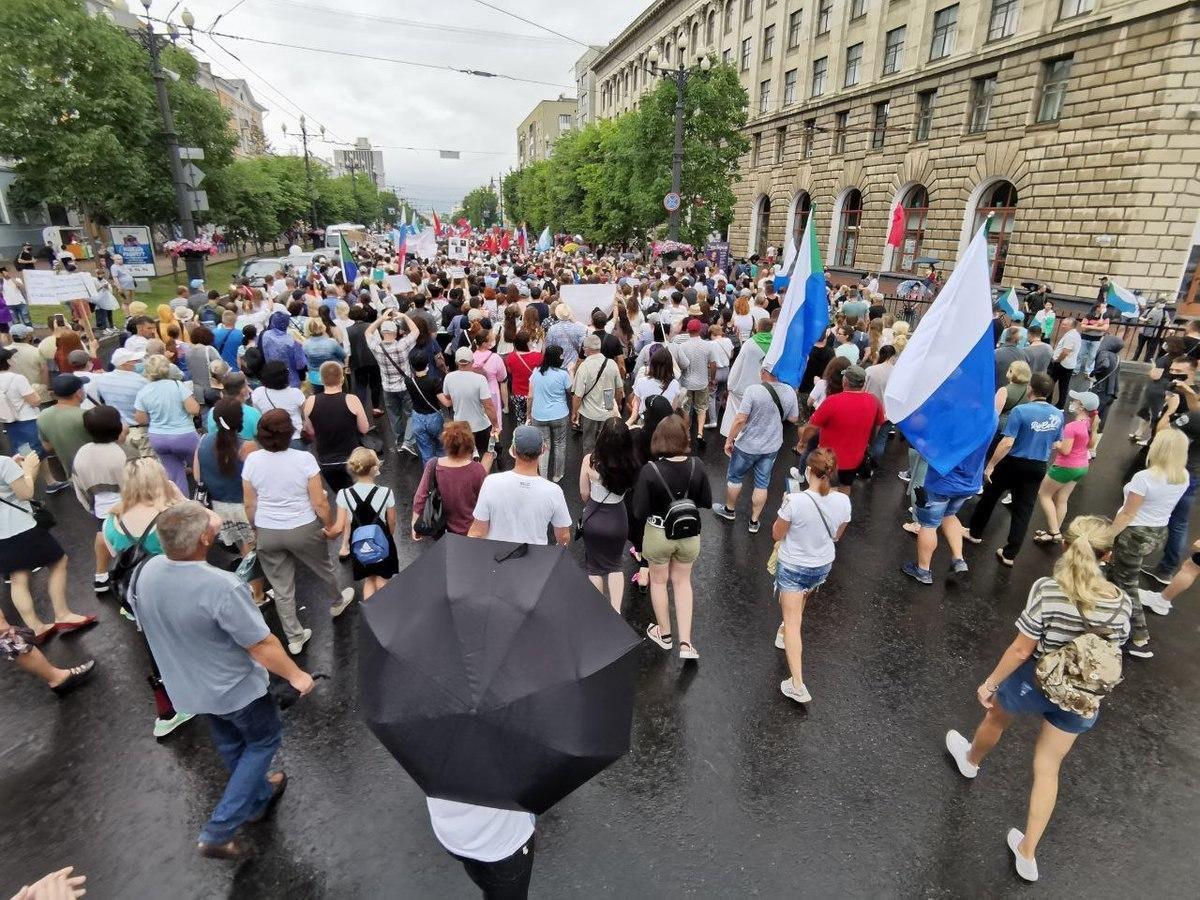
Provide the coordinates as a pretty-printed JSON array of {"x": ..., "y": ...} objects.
[
  {"x": 941, "y": 394},
  {"x": 804, "y": 316}
]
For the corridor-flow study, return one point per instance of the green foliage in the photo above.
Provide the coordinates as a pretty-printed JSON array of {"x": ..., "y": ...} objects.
[
  {"x": 480, "y": 207},
  {"x": 606, "y": 181},
  {"x": 78, "y": 113}
]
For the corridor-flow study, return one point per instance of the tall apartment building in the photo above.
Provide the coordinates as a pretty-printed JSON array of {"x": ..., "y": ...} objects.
[
  {"x": 541, "y": 128},
  {"x": 1074, "y": 123},
  {"x": 361, "y": 160},
  {"x": 585, "y": 86}
]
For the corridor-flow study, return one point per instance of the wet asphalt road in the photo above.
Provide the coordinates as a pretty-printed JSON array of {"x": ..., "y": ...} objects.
[{"x": 729, "y": 790}]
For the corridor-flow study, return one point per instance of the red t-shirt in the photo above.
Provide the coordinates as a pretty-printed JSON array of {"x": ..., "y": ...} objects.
[
  {"x": 846, "y": 421},
  {"x": 520, "y": 367}
]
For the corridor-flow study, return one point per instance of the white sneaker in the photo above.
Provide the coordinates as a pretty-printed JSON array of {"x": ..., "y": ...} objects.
[
  {"x": 1155, "y": 602},
  {"x": 1026, "y": 868},
  {"x": 295, "y": 647},
  {"x": 1006, "y": 499},
  {"x": 163, "y": 727},
  {"x": 779, "y": 644},
  {"x": 958, "y": 747},
  {"x": 340, "y": 607},
  {"x": 799, "y": 694}
]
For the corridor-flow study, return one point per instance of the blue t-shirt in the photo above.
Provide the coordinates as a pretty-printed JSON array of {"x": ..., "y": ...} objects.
[
  {"x": 250, "y": 417},
  {"x": 964, "y": 479},
  {"x": 162, "y": 401},
  {"x": 1034, "y": 427},
  {"x": 550, "y": 392}
]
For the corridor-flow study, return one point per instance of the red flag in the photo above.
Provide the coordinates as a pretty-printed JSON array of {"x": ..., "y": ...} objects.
[
  {"x": 437, "y": 225},
  {"x": 490, "y": 245},
  {"x": 463, "y": 223},
  {"x": 505, "y": 240},
  {"x": 896, "y": 232}
]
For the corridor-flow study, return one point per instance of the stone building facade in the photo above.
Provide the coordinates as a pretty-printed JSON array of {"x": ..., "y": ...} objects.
[
  {"x": 1076, "y": 123},
  {"x": 540, "y": 129}
]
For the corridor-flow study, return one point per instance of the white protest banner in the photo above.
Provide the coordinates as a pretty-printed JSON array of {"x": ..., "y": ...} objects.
[
  {"x": 455, "y": 272},
  {"x": 399, "y": 284},
  {"x": 458, "y": 248},
  {"x": 424, "y": 245},
  {"x": 583, "y": 298},
  {"x": 50, "y": 289}
]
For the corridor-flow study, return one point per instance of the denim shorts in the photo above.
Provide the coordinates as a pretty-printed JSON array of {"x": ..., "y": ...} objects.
[
  {"x": 938, "y": 507},
  {"x": 1020, "y": 695},
  {"x": 800, "y": 578},
  {"x": 741, "y": 463}
]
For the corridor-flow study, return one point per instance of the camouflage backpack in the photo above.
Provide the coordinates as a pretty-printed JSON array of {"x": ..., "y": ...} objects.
[{"x": 1077, "y": 675}]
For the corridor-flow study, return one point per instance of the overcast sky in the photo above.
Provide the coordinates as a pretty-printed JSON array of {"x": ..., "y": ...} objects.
[{"x": 401, "y": 105}]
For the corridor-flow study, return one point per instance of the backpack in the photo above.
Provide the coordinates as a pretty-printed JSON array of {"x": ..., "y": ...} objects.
[
  {"x": 129, "y": 561},
  {"x": 1077, "y": 675},
  {"x": 432, "y": 523},
  {"x": 368, "y": 539},
  {"x": 682, "y": 519}
]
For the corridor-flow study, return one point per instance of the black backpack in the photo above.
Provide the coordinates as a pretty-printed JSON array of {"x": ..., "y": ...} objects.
[
  {"x": 682, "y": 519},
  {"x": 128, "y": 561}
]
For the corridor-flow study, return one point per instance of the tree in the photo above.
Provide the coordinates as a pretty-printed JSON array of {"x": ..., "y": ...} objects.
[
  {"x": 480, "y": 207},
  {"x": 78, "y": 114}
]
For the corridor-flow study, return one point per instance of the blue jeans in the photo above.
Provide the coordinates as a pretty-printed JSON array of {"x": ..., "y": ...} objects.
[
  {"x": 879, "y": 444},
  {"x": 1177, "y": 530},
  {"x": 247, "y": 739},
  {"x": 1087, "y": 356},
  {"x": 427, "y": 432},
  {"x": 398, "y": 406},
  {"x": 742, "y": 463},
  {"x": 20, "y": 313},
  {"x": 22, "y": 433}
]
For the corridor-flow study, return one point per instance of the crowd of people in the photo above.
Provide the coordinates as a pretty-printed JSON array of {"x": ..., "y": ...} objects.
[{"x": 235, "y": 434}]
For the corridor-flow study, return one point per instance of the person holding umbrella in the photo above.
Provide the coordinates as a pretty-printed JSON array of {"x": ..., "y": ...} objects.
[{"x": 495, "y": 846}]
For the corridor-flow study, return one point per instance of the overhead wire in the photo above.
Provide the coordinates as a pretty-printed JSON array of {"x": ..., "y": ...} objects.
[{"x": 513, "y": 15}]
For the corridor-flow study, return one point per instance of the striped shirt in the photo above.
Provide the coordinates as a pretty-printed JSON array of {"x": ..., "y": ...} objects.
[{"x": 1051, "y": 619}]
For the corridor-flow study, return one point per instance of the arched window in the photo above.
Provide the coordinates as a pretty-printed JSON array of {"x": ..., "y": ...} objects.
[
  {"x": 801, "y": 208},
  {"x": 761, "y": 225},
  {"x": 695, "y": 44},
  {"x": 728, "y": 24},
  {"x": 710, "y": 29},
  {"x": 916, "y": 208},
  {"x": 1000, "y": 201},
  {"x": 849, "y": 218},
  {"x": 666, "y": 57}
]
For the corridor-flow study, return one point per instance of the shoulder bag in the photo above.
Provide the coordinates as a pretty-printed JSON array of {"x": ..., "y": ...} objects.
[
  {"x": 42, "y": 516},
  {"x": 432, "y": 521}
]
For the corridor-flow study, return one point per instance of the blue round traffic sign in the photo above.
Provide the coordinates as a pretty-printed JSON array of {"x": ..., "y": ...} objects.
[{"x": 671, "y": 202}]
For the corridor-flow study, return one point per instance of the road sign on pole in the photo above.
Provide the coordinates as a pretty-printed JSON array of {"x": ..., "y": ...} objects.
[
  {"x": 199, "y": 200},
  {"x": 191, "y": 153},
  {"x": 671, "y": 202},
  {"x": 192, "y": 176}
]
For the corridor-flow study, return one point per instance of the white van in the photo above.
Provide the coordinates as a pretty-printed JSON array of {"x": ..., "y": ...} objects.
[{"x": 354, "y": 234}]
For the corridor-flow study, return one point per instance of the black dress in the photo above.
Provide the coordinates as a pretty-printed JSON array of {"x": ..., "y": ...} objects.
[{"x": 335, "y": 437}]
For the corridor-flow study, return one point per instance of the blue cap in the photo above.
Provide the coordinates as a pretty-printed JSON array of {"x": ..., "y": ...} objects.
[{"x": 196, "y": 283}]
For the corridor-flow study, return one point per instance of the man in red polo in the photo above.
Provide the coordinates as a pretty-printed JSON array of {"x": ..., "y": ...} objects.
[{"x": 847, "y": 422}]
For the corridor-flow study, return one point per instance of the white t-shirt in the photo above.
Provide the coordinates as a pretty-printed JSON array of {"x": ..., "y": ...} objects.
[
  {"x": 807, "y": 542},
  {"x": 646, "y": 387},
  {"x": 384, "y": 499},
  {"x": 758, "y": 313},
  {"x": 290, "y": 400},
  {"x": 13, "y": 406},
  {"x": 12, "y": 521},
  {"x": 1071, "y": 340},
  {"x": 1159, "y": 498},
  {"x": 479, "y": 832},
  {"x": 724, "y": 351},
  {"x": 281, "y": 481},
  {"x": 745, "y": 325},
  {"x": 519, "y": 508}
]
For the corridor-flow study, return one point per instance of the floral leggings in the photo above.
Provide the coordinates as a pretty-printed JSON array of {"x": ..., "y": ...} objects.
[{"x": 15, "y": 641}]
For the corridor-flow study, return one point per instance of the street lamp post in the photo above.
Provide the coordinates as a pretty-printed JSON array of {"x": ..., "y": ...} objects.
[
  {"x": 680, "y": 76},
  {"x": 183, "y": 202},
  {"x": 308, "y": 184}
]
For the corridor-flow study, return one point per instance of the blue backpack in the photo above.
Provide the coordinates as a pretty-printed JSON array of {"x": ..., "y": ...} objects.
[{"x": 368, "y": 538}]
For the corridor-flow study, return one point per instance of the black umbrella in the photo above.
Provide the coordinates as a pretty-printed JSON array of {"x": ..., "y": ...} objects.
[{"x": 496, "y": 674}]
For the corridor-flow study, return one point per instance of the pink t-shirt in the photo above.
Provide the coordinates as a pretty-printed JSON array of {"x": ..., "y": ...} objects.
[
  {"x": 1081, "y": 431},
  {"x": 491, "y": 366}
]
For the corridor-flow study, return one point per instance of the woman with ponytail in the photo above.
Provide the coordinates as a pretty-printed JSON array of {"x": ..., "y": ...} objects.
[
  {"x": 1076, "y": 599},
  {"x": 218, "y": 466},
  {"x": 810, "y": 524}
]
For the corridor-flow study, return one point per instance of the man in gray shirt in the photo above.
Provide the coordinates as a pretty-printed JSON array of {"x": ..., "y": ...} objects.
[
  {"x": 1038, "y": 353},
  {"x": 754, "y": 439},
  {"x": 697, "y": 360},
  {"x": 1008, "y": 353},
  {"x": 213, "y": 651}
]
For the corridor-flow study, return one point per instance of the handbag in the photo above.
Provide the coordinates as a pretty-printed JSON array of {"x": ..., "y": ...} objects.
[
  {"x": 432, "y": 521},
  {"x": 201, "y": 495},
  {"x": 42, "y": 515}
]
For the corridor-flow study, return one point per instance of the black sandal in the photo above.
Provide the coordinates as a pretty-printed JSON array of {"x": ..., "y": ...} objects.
[
  {"x": 76, "y": 676},
  {"x": 1047, "y": 537}
]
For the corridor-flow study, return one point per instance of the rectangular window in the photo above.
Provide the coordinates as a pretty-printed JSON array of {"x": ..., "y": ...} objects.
[
  {"x": 747, "y": 10},
  {"x": 893, "y": 50},
  {"x": 789, "y": 87},
  {"x": 755, "y": 147},
  {"x": 879, "y": 125},
  {"x": 1003, "y": 21},
  {"x": 1069, "y": 9},
  {"x": 1055, "y": 75},
  {"x": 793, "y": 37},
  {"x": 858, "y": 9},
  {"x": 780, "y": 137},
  {"x": 727, "y": 56},
  {"x": 5, "y": 218},
  {"x": 768, "y": 42},
  {"x": 728, "y": 23},
  {"x": 764, "y": 96},
  {"x": 924, "y": 123},
  {"x": 818, "y": 80},
  {"x": 853, "y": 64},
  {"x": 810, "y": 131},
  {"x": 983, "y": 89},
  {"x": 840, "y": 123},
  {"x": 564, "y": 120},
  {"x": 746, "y": 55},
  {"x": 824, "y": 14},
  {"x": 945, "y": 25}
]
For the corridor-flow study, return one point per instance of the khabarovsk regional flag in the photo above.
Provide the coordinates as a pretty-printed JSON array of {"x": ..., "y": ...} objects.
[
  {"x": 545, "y": 242},
  {"x": 1121, "y": 299},
  {"x": 1008, "y": 305},
  {"x": 804, "y": 317},
  {"x": 349, "y": 269},
  {"x": 942, "y": 392}
]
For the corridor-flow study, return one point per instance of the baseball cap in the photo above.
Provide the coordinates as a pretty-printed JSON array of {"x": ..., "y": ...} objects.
[
  {"x": 695, "y": 326},
  {"x": 464, "y": 355},
  {"x": 1087, "y": 400},
  {"x": 527, "y": 441},
  {"x": 124, "y": 355},
  {"x": 389, "y": 325},
  {"x": 855, "y": 375},
  {"x": 79, "y": 358},
  {"x": 196, "y": 283},
  {"x": 20, "y": 331},
  {"x": 66, "y": 385}
]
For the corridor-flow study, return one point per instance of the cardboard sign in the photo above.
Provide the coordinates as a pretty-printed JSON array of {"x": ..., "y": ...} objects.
[
  {"x": 51, "y": 289},
  {"x": 455, "y": 272},
  {"x": 458, "y": 248},
  {"x": 583, "y": 298},
  {"x": 399, "y": 284}
]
